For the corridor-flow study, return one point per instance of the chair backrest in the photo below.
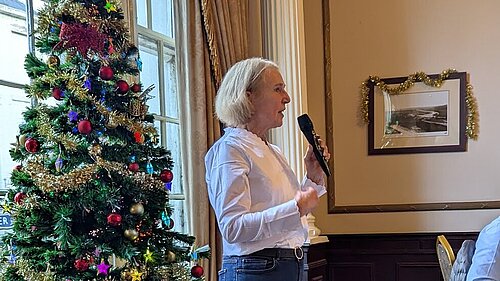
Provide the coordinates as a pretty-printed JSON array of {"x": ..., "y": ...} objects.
[
  {"x": 463, "y": 261},
  {"x": 445, "y": 255}
]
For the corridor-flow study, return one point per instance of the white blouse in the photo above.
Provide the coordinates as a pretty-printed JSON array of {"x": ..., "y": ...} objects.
[{"x": 252, "y": 188}]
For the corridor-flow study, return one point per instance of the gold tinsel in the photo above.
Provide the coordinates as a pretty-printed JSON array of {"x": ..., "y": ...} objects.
[
  {"x": 472, "y": 126},
  {"x": 74, "y": 86},
  {"x": 48, "y": 182},
  {"x": 70, "y": 142},
  {"x": 122, "y": 120},
  {"x": 29, "y": 274}
]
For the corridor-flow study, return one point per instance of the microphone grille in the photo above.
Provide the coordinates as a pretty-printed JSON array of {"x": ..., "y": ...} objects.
[{"x": 305, "y": 122}]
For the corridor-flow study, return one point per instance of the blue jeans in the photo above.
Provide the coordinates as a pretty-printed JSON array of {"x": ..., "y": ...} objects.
[{"x": 254, "y": 268}]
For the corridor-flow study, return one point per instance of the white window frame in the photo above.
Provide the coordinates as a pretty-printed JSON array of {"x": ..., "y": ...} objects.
[{"x": 161, "y": 40}]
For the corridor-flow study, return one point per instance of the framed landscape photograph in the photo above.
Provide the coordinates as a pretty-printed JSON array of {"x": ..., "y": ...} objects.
[{"x": 423, "y": 119}]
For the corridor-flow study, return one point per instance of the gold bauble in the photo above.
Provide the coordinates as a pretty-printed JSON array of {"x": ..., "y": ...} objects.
[
  {"x": 170, "y": 256},
  {"x": 137, "y": 209},
  {"x": 131, "y": 234},
  {"x": 53, "y": 61},
  {"x": 22, "y": 140}
]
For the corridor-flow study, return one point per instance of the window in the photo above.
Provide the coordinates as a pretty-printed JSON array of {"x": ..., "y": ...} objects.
[
  {"x": 155, "y": 28},
  {"x": 15, "y": 17}
]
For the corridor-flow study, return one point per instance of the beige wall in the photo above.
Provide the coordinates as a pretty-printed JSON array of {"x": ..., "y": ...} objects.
[{"x": 394, "y": 38}]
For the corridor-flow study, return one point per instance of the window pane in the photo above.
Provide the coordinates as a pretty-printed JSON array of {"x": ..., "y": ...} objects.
[
  {"x": 171, "y": 96},
  {"x": 13, "y": 33},
  {"x": 163, "y": 15},
  {"x": 173, "y": 144},
  {"x": 178, "y": 215},
  {"x": 149, "y": 75},
  {"x": 142, "y": 17},
  {"x": 157, "y": 125},
  {"x": 12, "y": 102}
]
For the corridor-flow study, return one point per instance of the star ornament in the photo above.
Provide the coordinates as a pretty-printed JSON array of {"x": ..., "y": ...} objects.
[
  {"x": 102, "y": 268},
  {"x": 148, "y": 256},
  {"x": 136, "y": 275},
  {"x": 110, "y": 7}
]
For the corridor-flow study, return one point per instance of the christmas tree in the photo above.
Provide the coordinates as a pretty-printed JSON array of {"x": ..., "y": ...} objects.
[{"x": 90, "y": 196}]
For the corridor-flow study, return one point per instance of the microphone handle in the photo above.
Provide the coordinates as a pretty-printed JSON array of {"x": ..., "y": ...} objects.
[{"x": 318, "y": 152}]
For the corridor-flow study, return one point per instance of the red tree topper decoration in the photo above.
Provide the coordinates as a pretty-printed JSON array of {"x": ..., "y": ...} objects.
[{"x": 83, "y": 38}]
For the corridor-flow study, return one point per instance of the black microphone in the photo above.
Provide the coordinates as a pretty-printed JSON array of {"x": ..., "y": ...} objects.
[{"x": 307, "y": 128}]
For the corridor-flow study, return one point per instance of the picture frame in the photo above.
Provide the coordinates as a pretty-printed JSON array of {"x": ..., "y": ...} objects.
[{"x": 422, "y": 119}]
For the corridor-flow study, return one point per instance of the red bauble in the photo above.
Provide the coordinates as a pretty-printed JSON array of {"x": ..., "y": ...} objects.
[
  {"x": 18, "y": 167},
  {"x": 197, "y": 271},
  {"x": 31, "y": 145},
  {"x": 57, "y": 93},
  {"x": 134, "y": 167},
  {"x": 114, "y": 219},
  {"x": 106, "y": 73},
  {"x": 81, "y": 264},
  {"x": 166, "y": 175},
  {"x": 19, "y": 197},
  {"x": 136, "y": 88},
  {"x": 122, "y": 87},
  {"x": 139, "y": 138},
  {"x": 84, "y": 127}
]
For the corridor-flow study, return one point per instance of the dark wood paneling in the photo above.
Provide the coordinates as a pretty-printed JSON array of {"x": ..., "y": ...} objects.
[{"x": 381, "y": 257}]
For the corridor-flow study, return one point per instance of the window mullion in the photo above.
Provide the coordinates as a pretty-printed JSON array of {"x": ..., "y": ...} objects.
[{"x": 149, "y": 13}]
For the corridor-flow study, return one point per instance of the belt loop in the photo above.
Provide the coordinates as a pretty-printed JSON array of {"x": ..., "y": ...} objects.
[{"x": 299, "y": 253}]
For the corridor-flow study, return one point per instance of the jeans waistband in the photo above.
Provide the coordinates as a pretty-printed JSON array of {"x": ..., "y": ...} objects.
[{"x": 297, "y": 253}]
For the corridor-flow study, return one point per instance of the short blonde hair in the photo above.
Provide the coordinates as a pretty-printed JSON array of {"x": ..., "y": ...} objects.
[{"x": 232, "y": 105}]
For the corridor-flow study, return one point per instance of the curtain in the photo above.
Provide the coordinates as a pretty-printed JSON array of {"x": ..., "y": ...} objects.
[
  {"x": 211, "y": 36},
  {"x": 199, "y": 126}
]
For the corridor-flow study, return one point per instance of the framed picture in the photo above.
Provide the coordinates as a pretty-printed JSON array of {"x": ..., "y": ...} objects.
[{"x": 423, "y": 119}]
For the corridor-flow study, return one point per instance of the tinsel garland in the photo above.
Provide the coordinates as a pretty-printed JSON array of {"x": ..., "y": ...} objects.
[
  {"x": 48, "y": 182},
  {"x": 70, "y": 142},
  {"x": 25, "y": 270},
  {"x": 74, "y": 86},
  {"x": 176, "y": 271},
  {"x": 124, "y": 121},
  {"x": 471, "y": 128}
]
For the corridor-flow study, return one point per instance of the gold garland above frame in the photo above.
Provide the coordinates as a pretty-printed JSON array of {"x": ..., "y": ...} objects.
[{"x": 472, "y": 113}]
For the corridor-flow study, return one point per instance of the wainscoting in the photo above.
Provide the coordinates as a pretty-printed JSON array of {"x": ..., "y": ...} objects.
[{"x": 381, "y": 257}]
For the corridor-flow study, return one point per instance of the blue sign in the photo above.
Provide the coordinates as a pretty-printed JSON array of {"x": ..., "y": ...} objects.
[{"x": 5, "y": 221}]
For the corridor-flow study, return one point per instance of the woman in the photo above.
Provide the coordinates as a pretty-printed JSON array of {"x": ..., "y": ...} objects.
[{"x": 259, "y": 204}]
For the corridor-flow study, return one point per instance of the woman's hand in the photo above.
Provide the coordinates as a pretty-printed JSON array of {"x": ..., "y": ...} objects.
[
  {"x": 306, "y": 200},
  {"x": 313, "y": 169}
]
